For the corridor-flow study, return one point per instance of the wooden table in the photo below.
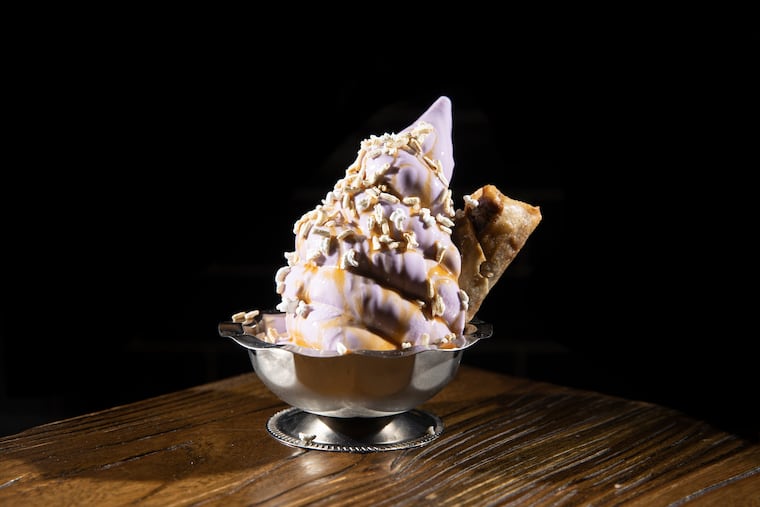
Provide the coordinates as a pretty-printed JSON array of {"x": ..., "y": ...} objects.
[{"x": 506, "y": 441}]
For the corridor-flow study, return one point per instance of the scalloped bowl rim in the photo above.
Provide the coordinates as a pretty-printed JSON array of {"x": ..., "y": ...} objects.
[{"x": 247, "y": 336}]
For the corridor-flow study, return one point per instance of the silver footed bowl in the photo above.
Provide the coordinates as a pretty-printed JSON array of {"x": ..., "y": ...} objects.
[{"x": 364, "y": 383}]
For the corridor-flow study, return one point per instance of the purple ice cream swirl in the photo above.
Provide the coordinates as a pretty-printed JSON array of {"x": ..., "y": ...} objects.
[{"x": 374, "y": 266}]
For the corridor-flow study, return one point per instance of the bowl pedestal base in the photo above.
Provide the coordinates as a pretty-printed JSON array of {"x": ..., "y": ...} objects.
[{"x": 297, "y": 428}]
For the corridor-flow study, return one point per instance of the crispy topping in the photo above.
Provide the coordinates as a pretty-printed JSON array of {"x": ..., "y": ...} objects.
[
  {"x": 324, "y": 245},
  {"x": 439, "y": 307},
  {"x": 272, "y": 335},
  {"x": 427, "y": 218},
  {"x": 302, "y": 310},
  {"x": 385, "y": 196},
  {"x": 446, "y": 221},
  {"x": 398, "y": 217},
  {"x": 349, "y": 259},
  {"x": 379, "y": 213},
  {"x": 322, "y": 231},
  {"x": 279, "y": 278},
  {"x": 411, "y": 239},
  {"x": 288, "y": 305},
  {"x": 464, "y": 300},
  {"x": 411, "y": 201},
  {"x": 470, "y": 201},
  {"x": 346, "y": 234}
]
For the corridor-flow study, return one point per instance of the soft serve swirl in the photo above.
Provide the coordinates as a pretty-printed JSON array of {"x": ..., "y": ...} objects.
[{"x": 374, "y": 266}]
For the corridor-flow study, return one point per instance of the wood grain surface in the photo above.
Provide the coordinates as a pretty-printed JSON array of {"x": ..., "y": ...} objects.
[{"x": 506, "y": 441}]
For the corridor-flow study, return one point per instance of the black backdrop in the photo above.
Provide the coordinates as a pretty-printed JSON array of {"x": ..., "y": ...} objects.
[{"x": 154, "y": 196}]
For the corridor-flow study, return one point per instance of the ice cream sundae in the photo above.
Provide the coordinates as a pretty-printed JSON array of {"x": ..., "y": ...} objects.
[{"x": 378, "y": 264}]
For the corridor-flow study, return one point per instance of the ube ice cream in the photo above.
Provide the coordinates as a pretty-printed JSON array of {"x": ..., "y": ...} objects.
[{"x": 374, "y": 266}]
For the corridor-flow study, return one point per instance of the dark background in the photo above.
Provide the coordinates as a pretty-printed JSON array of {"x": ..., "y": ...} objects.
[{"x": 153, "y": 191}]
